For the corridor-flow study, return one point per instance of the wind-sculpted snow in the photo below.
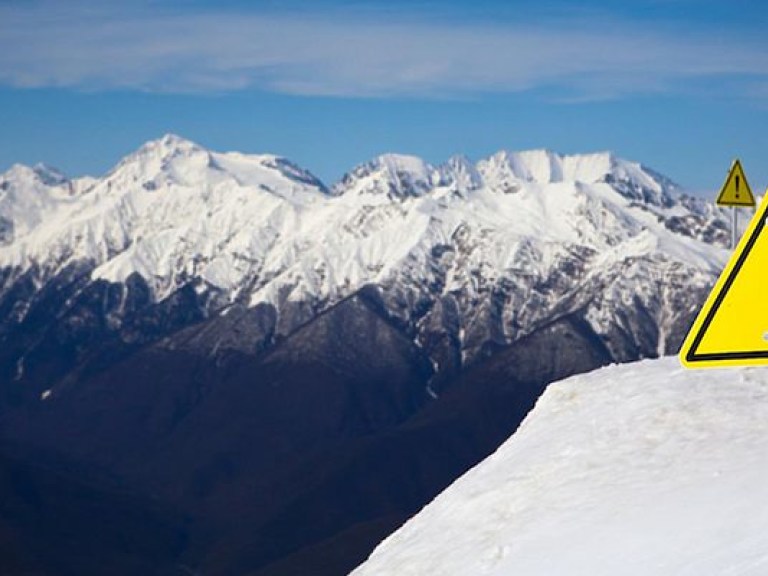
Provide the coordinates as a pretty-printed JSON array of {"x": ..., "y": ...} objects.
[
  {"x": 637, "y": 469},
  {"x": 509, "y": 243}
]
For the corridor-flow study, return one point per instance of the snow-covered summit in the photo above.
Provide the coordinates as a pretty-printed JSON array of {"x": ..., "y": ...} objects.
[
  {"x": 37, "y": 176},
  {"x": 172, "y": 160},
  {"x": 511, "y": 169},
  {"x": 462, "y": 173},
  {"x": 28, "y": 195},
  {"x": 393, "y": 175},
  {"x": 546, "y": 167},
  {"x": 168, "y": 144},
  {"x": 637, "y": 469}
]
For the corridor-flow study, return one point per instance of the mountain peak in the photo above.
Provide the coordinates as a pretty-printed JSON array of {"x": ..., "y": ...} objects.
[
  {"x": 546, "y": 167},
  {"x": 172, "y": 159},
  {"x": 396, "y": 175},
  {"x": 406, "y": 162},
  {"x": 28, "y": 195},
  {"x": 462, "y": 172},
  {"x": 168, "y": 159},
  {"x": 169, "y": 142},
  {"x": 40, "y": 173},
  {"x": 167, "y": 146}
]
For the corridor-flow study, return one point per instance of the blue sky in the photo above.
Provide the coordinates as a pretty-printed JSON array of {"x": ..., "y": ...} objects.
[{"x": 679, "y": 85}]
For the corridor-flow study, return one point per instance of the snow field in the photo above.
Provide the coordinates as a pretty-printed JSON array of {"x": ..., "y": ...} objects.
[{"x": 635, "y": 469}]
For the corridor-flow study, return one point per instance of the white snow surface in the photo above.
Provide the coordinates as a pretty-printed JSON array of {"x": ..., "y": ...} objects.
[{"x": 638, "y": 469}]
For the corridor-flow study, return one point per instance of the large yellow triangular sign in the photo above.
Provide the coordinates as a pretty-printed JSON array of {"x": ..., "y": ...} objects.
[
  {"x": 736, "y": 191},
  {"x": 732, "y": 327}
]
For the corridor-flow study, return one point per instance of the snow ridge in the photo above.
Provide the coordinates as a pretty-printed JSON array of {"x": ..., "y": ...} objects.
[{"x": 637, "y": 469}]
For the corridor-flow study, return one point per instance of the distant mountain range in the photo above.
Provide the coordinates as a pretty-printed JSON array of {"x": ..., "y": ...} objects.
[{"x": 295, "y": 368}]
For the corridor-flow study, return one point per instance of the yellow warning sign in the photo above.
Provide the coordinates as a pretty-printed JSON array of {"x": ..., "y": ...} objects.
[
  {"x": 732, "y": 327},
  {"x": 736, "y": 191}
]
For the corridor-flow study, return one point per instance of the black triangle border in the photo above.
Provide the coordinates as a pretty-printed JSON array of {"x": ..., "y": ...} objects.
[{"x": 691, "y": 355}]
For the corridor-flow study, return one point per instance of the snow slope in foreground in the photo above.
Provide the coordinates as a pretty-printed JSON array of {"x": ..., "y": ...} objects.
[{"x": 635, "y": 469}]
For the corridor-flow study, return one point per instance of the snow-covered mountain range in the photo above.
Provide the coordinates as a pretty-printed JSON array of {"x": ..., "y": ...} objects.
[
  {"x": 484, "y": 253},
  {"x": 638, "y": 469},
  {"x": 227, "y": 335}
]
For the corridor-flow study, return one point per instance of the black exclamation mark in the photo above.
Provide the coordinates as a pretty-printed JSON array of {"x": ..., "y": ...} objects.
[{"x": 737, "y": 187}]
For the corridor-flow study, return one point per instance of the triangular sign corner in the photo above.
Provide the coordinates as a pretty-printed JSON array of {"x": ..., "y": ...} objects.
[{"x": 731, "y": 328}]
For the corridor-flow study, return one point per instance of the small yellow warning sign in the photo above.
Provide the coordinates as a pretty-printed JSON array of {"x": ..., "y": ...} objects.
[
  {"x": 736, "y": 191},
  {"x": 732, "y": 327}
]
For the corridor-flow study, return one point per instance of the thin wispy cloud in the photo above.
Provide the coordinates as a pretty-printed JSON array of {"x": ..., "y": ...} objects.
[{"x": 95, "y": 47}]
